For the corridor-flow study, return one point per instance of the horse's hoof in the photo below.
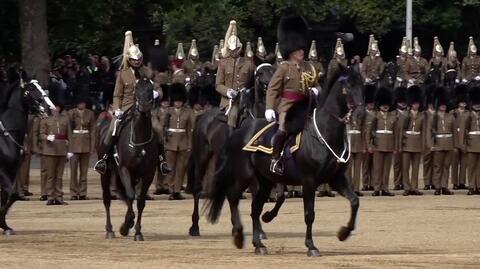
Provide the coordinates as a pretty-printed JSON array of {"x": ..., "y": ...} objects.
[
  {"x": 9, "y": 232},
  {"x": 313, "y": 253},
  {"x": 138, "y": 237},
  {"x": 263, "y": 236},
  {"x": 194, "y": 231},
  {"x": 267, "y": 217},
  {"x": 110, "y": 235},
  {"x": 124, "y": 230},
  {"x": 261, "y": 251},
  {"x": 238, "y": 239},
  {"x": 343, "y": 233}
]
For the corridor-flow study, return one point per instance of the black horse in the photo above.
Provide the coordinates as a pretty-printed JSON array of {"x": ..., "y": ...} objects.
[
  {"x": 138, "y": 151},
  {"x": 318, "y": 160},
  {"x": 18, "y": 99},
  {"x": 389, "y": 75},
  {"x": 263, "y": 75}
]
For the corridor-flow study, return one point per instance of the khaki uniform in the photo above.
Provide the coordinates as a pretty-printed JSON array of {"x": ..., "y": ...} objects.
[
  {"x": 179, "y": 77},
  {"x": 381, "y": 137},
  {"x": 285, "y": 88},
  {"x": 454, "y": 66},
  {"x": 397, "y": 158},
  {"x": 459, "y": 156},
  {"x": 158, "y": 123},
  {"x": 191, "y": 68},
  {"x": 470, "y": 67},
  {"x": 357, "y": 151},
  {"x": 23, "y": 173},
  {"x": 333, "y": 65},
  {"x": 236, "y": 74},
  {"x": 81, "y": 144},
  {"x": 402, "y": 68},
  {"x": 38, "y": 149},
  {"x": 180, "y": 123},
  {"x": 411, "y": 139},
  {"x": 439, "y": 62},
  {"x": 318, "y": 67},
  {"x": 427, "y": 155},
  {"x": 470, "y": 140},
  {"x": 372, "y": 67},
  {"x": 124, "y": 93},
  {"x": 417, "y": 69},
  {"x": 367, "y": 156},
  {"x": 442, "y": 141},
  {"x": 55, "y": 152}
]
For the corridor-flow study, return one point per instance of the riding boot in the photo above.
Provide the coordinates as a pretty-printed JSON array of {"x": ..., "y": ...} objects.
[
  {"x": 164, "y": 168},
  {"x": 276, "y": 165},
  {"x": 109, "y": 143}
]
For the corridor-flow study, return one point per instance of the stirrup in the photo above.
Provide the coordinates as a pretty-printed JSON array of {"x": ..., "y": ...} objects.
[
  {"x": 116, "y": 158},
  {"x": 276, "y": 166},
  {"x": 101, "y": 166},
  {"x": 164, "y": 168}
]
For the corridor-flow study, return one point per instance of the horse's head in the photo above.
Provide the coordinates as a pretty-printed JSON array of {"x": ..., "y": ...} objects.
[
  {"x": 209, "y": 76},
  {"x": 263, "y": 75},
  {"x": 144, "y": 95},
  {"x": 36, "y": 99},
  {"x": 352, "y": 87}
]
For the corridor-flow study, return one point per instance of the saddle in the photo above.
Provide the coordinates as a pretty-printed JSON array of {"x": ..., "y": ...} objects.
[{"x": 262, "y": 141}]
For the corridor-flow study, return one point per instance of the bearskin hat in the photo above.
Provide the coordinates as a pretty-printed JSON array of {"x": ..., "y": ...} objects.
[
  {"x": 461, "y": 94},
  {"x": 292, "y": 35},
  {"x": 383, "y": 97},
  {"x": 400, "y": 95},
  {"x": 475, "y": 95},
  {"x": 165, "y": 88},
  {"x": 195, "y": 96},
  {"x": 440, "y": 97},
  {"x": 178, "y": 92},
  {"x": 414, "y": 95},
  {"x": 369, "y": 93},
  {"x": 430, "y": 94}
]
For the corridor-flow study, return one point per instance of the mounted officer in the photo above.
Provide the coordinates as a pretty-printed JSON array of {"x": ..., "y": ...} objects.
[
  {"x": 471, "y": 64},
  {"x": 372, "y": 65}
]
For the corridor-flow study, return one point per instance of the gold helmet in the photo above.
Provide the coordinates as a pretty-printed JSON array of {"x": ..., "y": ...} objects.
[
  {"x": 451, "y": 50},
  {"x": 130, "y": 50},
  {"x": 375, "y": 48},
  {"x": 472, "y": 49},
  {"x": 215, "y": 54},
  {"x": 312, "y": 54},
  {"x": 370, "y": 42},
  {"x": 277, "y": 53},
  {"x": 416, "y": 45},
  {"x": 261, "y": 48},
  {"x": 220, "y": 48},
  {"x": 193, "y": 51},
  {"x": 405, "y": 45},
  {"x": 232, "y": 42},
  {"x": 437, "y": 47},
  {"x": 339, "y": 51},
  {"x": 180, "y": 54},
  {"x": 248, "y": 50}
]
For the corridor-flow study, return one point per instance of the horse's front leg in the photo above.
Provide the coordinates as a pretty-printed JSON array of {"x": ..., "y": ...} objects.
[
  {"x": 129, "y": 197},
  {"x": 309, "y": 209},
  {"x": 258, "y": 201},
  {"x": 107, "y": 199},
  {"x": 340, "y": 184},
  {"x": 140, "y": 206},
  {"x": 8, "y": 196}
]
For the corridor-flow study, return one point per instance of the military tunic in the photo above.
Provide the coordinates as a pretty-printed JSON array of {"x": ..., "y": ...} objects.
[
  {"x": 357, "y": 150},
  {"x": 417, "y": 68},
  {"x": 372, "y": 67},
  {"x": 459, "y": 157},
  {"x": 368, "y": 156},
  {"x": 124, "y": 93},
  {"x": 427, "y": 153},
  {"x": 334, "y": 65},
  {"x": 402, "y": 72},
  {"x": 470, "y": 67},
  {"x": 438, "y": 63},
  {"x": 397, "y": 158},
  {"x": 470, "y": 140}
]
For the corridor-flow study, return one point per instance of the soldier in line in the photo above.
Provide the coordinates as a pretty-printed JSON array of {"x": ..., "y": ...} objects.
[
  {"x": 368, "y": 156},
  {"x": 452, "y": 65},
  {"x": 372, "y": 65},
  {"x": 440, "y": 139},
  {"x": 402, "y": 59},
  {"x": 381, "y": 142},
  {"x": 417, "y": 66},
  {"x": 459, "y": 157},
  {"x": 54, "y": 132},
  {"x": 179, "y": 124},
  {"x": 470, "y": 140},
  {"x": 234, "y": 74},
  {"x": 81, "y": 144},
  {"x": 401, "y": 113},
  {"x": 427, "y": 153},
  {"x": 411, "y": 132},
  {"x": 357, "y": 150},
  {"x": 471, "y": 64}
]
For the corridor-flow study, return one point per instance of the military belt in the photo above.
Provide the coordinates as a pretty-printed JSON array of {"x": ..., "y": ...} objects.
[
  {"x": 412, "y": 133},
  {"x": 80, "y": 131},
  {"x": 354, "y": 132},
  {"x": 474, "y": 133},
  {"x": 443, "y": 135},
  {"x": 172, "y": 130},
  {"x": 384, "y": 132}
]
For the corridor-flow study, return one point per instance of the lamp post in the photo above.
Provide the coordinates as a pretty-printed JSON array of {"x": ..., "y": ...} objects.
[{"x": 408, "y": 26}]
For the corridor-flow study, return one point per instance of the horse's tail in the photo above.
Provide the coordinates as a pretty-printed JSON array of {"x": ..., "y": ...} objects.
[{"x": 220, "y": 189}]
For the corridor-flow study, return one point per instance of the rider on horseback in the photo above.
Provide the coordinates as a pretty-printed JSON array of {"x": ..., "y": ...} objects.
[
  {"x": 471, "y": 64},
  {"x": 292, "y": 82},
  {"x": 131, "y": 71},
  {"x": 372, "y": 65}
]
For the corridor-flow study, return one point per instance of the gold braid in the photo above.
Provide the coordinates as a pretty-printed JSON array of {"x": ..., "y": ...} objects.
[{"x": 308, "y": 79}]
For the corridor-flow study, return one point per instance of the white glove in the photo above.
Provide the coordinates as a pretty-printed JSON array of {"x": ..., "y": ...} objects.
[
  {"x": 477, "y": 78},
  {"x": 231, "y": 93},
  {"x": 314, "y": 90},
  {"x": 155, "y": 94},
  {"x": 118, "y": 113},
  {"x": 51, "y": 138},
  {"x": 187, "y": 79},
  {"x": 399, "y": 79},
  {"x": 367, "y": 80},
  {"x": 412, "y": 80},
  {"x": 270, "y": 115},
  {"x": 457, "y": 81},
  {"x": 464, "y": 80},
  {"x": 69, "y": 155}
]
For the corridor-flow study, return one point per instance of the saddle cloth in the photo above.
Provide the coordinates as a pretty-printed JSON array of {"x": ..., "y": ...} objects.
[{"x": 261, "y": 141}]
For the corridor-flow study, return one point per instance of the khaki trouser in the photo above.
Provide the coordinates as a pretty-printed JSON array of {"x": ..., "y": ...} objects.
[
  {"x": 78, "y": 183},
  {"x": 160, "y": 181},
  {"x": 367, "y": 169},
  {"x": 354, "y": 169},
  {"x": 441, "y": 168},
  {"x": 281, "y": 121},
  {"x": 177, "y": 161},
  {"x": 397, "y": 169},
  {"x": 381, "y": 169},
  {"x": 459, "y": 167},
  {"x": 23, "y": 174},
  {"x": 428, "y": 168},
  {"x": 410, "y": 159},
  {"x": 43, "y": 175},
  {"x": 55, "y": 166},
  {"x": 473, "y": 161}
]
